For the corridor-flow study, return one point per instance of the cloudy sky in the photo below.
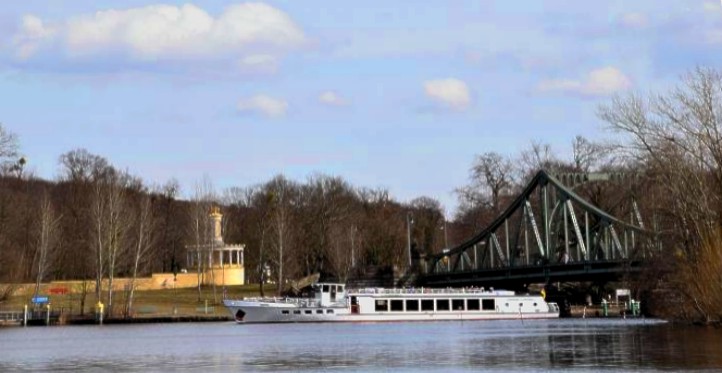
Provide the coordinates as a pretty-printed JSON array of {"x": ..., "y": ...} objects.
[{"x": 394, "y": 94}]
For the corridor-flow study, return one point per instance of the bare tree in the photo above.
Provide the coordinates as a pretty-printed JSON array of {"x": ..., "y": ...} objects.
[
  {"x": 493, "y": 173},
  {"x": 46, "y": 241},
  {"x": 282, "y": 199},
  {"x": 168, "y": 228},
  {"x": 678, "y": 136},
  {"x": 491, "y": 176},
  {"x": 201, "y": 205},
  {"x": 428, "y": 224},
  {"x": 537, "y": 157},
  {"x": 8, "y": 143},
  {"x": 111, "y": 223},
  {"x": 145, "y": 240},
  {"x": 327, "y": 210},
  {"x": 588, "y": 156},
  {"x": 8, "y": 150},
  {"x": 80, "y": 165},
  {"x": 251, "y": 207}
]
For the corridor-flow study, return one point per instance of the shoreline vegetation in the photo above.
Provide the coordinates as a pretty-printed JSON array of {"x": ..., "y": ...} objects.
[{"x": 183, "y": 305}]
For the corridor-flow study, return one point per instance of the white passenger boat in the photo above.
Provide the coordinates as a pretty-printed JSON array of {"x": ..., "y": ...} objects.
[{"x": 331, "y": 302}]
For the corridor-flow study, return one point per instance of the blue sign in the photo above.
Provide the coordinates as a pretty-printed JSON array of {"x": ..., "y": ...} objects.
[{"x": 40, "y": 299}]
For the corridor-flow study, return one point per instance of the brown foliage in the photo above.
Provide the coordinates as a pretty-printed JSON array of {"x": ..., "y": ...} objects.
[{"x": 699, "y": 276}]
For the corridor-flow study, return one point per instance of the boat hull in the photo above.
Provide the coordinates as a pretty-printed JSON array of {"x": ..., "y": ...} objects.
[
  {"x": 249, "y": 313},
  {"x": 331, "y": 303}
]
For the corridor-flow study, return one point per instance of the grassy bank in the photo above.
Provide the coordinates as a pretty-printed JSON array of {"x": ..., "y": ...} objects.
[{"x": 182, "y": 303}]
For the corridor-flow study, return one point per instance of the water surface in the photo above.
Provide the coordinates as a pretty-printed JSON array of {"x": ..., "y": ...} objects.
[{"x": 535, "y": 345}]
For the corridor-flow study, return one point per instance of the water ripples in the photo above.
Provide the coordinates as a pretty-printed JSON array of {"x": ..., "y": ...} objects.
[{"x": 615, "y": 345}]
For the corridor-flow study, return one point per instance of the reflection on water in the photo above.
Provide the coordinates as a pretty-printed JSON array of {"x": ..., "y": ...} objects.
[{"x": 615, "y": 345}]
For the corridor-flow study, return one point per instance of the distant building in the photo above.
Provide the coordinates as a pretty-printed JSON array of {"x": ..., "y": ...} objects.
[{"x": 221, "y": 263}]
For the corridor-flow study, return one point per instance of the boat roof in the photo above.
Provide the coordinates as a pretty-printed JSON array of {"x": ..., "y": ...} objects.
[{"x": 431, "y": 291}]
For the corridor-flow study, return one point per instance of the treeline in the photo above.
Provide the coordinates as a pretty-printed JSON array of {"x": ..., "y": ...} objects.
[{"x": 97, "y": 222}]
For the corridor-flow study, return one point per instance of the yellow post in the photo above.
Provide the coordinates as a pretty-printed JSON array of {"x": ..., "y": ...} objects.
[{"x": 99, "y": 311}]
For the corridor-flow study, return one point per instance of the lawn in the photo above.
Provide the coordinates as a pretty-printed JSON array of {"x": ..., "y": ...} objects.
[{"x": 150, "y": 303}]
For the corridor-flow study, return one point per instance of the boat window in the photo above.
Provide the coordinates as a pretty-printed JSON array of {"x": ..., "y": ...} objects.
[
  {"x": 329, "y": 311},
  {"x": 457, "y": 304},
  {"x": 296, "y": 312},
  {"x": 285, "y": 312},
  {"x": 412, "y": 305},
  {"x": 340, "y": 289},
  {"x": 472, "y": 304},
  {"x": 319, "y": 311},
  {"x": 397, "y": 305},
  {"x": 442, "y": 304},
  {"x": 382, "y": 305},
  {"x": 427, "y": 304},
  {"x": 534, "y": 304},
  {"x": 488, "y": 304},
  {"x": 308, "y": 312},
  {"x": 521, "y": 304},
  {"x": 325, "y": 288}
]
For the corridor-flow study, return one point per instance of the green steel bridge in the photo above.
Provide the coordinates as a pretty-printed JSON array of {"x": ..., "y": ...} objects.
[{"x": 547, "y": 234}]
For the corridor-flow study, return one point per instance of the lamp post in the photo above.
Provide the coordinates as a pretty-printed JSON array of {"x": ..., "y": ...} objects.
[
  {"x": 409, "y": 221},
  {"x": 353, "y": 246}
]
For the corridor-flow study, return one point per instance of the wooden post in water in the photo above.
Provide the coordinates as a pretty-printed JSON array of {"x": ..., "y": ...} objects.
[
  {"x": 47, "y": 314},
  {"x": 521, "y": 316},
  {"x": 25, "y": 315}
]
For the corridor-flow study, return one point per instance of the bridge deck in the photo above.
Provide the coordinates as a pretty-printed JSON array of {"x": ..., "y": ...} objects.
[{"x": 585, "y": 271}]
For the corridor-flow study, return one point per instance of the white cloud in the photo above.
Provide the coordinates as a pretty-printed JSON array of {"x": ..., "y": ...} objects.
[
  {"x": 265, "y": 105},
  {"x": 259, "y": 63},
  {"x": 635, "y": 20},
  {"x": 452, "y": 93},
  {"x": 34, "y": 33},
  {"x": 712, "y": 6},
  {"x": 331, "y": 98},
  {"x": 713, "y": 36},
  {"x": 158, "y": 32},
  {"x": 600, "y": 82}
]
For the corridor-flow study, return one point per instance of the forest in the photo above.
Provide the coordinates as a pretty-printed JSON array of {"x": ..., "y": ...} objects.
[{"x": 97, "y": 222}]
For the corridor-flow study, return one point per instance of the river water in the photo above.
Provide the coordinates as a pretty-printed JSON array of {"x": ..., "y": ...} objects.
[{"x": 534, "y": 345}]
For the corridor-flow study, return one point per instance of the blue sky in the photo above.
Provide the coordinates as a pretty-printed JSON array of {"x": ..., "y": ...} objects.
[{"x": 399, "y": 94}]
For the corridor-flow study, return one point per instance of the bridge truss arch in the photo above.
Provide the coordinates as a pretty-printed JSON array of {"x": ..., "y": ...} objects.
[{"x": 547, "y": 226}]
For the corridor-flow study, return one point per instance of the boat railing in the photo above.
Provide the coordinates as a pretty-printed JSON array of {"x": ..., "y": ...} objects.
[
  {"x": 423, "y": 290},
  {"x": 284, "y": 300},
  {"x": 299, "y": 302}
]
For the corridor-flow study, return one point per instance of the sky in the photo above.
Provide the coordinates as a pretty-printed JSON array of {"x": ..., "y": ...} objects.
[{"x": 386, "y": 94}]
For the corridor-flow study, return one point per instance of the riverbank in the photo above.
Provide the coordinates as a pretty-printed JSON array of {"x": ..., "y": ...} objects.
[
  {"x": 176, "y": 306},
  {"x": 167, "y": 305},
  {"x": 596, "y": 310}
]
